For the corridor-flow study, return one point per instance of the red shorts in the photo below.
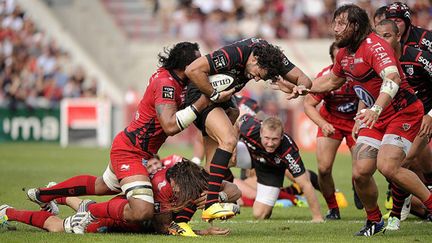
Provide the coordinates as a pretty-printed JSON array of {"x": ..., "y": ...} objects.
[
  {"x": 126, "y": 159},
  {"x": 405, "y": 123},
  {"x": 343, "y": 128}
]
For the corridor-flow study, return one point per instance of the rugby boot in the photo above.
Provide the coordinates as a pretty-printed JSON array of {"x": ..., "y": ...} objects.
[
  {"x": 371, "y": 228},
  {"x": 77, "y": 223},
  {"x": 406, "y": 208},
  {"x": 216, "y": 211},
  {"x": 33, "y": 195},
  {"x": 4, "y": 223},
  {"x": 333, "y": 214},
  {"x": 182, "y": 229},
  {"x": 393, "y": 224},
  {"x": 84, "y": 204}
]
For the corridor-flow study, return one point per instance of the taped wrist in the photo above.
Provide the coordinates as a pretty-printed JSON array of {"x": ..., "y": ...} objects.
[
  {"x": 186, "y": 116},
  {"x": 223, "y": 197},
  {"x": 389, "y": 86},
  {"x": 376, "y": 108},
  {"x": 214, "y": 96}
]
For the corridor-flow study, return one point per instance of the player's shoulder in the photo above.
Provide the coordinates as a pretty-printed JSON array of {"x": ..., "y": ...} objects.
[{"x": 162, "y": 76}]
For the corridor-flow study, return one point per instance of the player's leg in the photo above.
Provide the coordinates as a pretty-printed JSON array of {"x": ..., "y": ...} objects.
[
  {"x": 218, "y": 126},
  {"x": 40, "y": 219},
  {"x": 309, "y": 192},
  {"x": 266, "y": 197},
  {"x": 326, "y": 152}
]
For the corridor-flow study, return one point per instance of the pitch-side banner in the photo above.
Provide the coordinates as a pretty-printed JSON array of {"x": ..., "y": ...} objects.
[{"x": 29, "y": 125}]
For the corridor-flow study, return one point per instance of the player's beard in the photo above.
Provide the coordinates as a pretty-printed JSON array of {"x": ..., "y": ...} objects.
[{"x": 345, "y": 38}]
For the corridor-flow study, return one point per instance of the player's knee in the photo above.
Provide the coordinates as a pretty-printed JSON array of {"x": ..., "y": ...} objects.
[
  {"x": 141, "y": 211},
  {"x": 324, "y": 171},
  {"x": 388, "y": 171},
  {"x": 228, "y": 143},
  {"x": 261, "y": 214}
]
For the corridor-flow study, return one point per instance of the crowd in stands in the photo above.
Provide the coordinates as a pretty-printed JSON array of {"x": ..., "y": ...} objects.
[
  {"x": 34, "y": 70},
  {"x": 219, "y": 22}
]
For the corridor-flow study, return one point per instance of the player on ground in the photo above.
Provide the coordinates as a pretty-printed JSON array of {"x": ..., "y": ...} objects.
[
  {"x": 272, "y": 152},
  {"x": 247, "y": 59},
  {"x": 335, "y": 121},
  {"x": 184, "y": 177},
  {"x": 415, "y": 64},
  {"x": 157, "y": 117},
  {"x": 392, "y": 119}
]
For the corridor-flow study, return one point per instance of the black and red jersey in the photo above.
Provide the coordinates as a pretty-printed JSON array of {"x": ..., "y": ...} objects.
[
  {"x": 419, "y": 38},
  {"x": 232, "y": 59},
  {"x": 363, "y": 68},
  {"x": 145, "y": 131},
  {"x": 417, "y": 66},
  {"x": 281, "y": 158}
]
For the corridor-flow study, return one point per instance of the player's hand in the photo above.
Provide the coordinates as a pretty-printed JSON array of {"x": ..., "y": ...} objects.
[
  {"x": 214, "y": 231},
  {"x": 225, "y": 95},
  {"x": 367, "y": 117},
  {"x": 426, "y": 126},
  {"x": 355, "y": 130},
  {"x": 328, "y": 129},
  {"x": 200, "y": 202},
  {"x": 282, "y": 85}
]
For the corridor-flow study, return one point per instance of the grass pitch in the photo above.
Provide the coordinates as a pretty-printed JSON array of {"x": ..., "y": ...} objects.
[{"x": 32, "y": 165}]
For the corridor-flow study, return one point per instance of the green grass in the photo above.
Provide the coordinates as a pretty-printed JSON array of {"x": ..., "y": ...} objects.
[{"x": 31, "y": 165}]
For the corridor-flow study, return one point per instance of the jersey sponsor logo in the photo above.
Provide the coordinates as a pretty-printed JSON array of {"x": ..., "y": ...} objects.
[
  {"x": 293, "y": 166},
  {"x": 364, "y": 95},
  {"x": 285, "y": 61},
  {"x": 427, "y": 64},
  {"x": 124, "y": 167},
  {"x": 381, "y": 54},
  {"x": 277, "y": 160},
  {"x": 161, "y": 185},
  {"x": 358, "y": 60},
  {"x": 347, "y": 107},
  {"x": 220, "y": 61},
  {"x": 409, "y": 69},
  {"x": 168, "y": 92},
  {"x": 157, "y": 207},
  {"x": 427, "y": 43}
]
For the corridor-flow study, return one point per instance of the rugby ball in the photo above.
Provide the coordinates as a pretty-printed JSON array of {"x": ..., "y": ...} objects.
[{"x": 222, "y": 82}]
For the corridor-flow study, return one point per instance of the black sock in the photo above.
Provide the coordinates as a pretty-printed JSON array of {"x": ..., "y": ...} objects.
[
  {"x": 399, "y": 195},
  {"x": 218, "y": 167},
  {"x": 186, "y": 214}
]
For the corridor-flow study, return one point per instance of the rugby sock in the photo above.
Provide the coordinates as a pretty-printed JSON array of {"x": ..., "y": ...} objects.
[
  {"x": 285, "y": 195},
  {"x": 247, "y": 202},
  {"x": 314, "y": 180},
  {"x": 34, "y": 218},
  {"x": 399, "y": 195},
  {"x": 218, "y": 167},
  {"x": 229, "y": 176},
  {"x": 428, "y": 203},
  {"x": 75, "y": 186},
  {"x": 331, "y": 201},
  {"x": 111, "y": 209},
  {"x": 374, "y": 215},
  {"x": 61, "y": 200},
  {"x": 186, "y": 214}
]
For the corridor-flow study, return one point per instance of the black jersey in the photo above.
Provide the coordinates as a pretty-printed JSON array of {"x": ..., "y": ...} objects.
[
  {"x": 286, "y": 155},
  {"x": 417, "y": 66},
  {"x": 232, "y": 59},
  {"x": 419, "y": 38}
]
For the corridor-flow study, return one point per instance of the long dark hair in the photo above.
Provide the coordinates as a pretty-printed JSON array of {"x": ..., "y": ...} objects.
[
  {"x": 179, "y": 56},
  {"x": 190, "y": 180},
  {"x": 271, "y": 58},
  {"x": 359, "y": 20}
]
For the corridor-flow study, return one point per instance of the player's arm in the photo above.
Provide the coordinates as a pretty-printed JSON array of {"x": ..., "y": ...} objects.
[
  {"x": 174, "y": 121},
  {"x": 198, "y": 72},
  {"x": 426, "y": 127},
  {"x": 356, "y": 127},
  {"x": 326, "y": 83},
  {"x": 229, "y": 193},
  {"x": 388, "y": 90},
  {"x": 309, "y": 105},
  {"x": 298, "y": 77}
]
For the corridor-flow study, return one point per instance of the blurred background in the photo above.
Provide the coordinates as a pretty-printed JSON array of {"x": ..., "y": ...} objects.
[{"x": 73, "y": 71}]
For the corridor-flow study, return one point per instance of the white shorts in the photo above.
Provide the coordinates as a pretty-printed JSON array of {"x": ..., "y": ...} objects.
[
  {"x": 267, "y": 194},
  {"x": 111, "y": 180},
  {"x": 243, "y": 157}
]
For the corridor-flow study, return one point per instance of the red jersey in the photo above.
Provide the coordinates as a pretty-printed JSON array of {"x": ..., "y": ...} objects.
[
  {"x": 145, "y": 131},
  {"x": 363, "y": 68},
  {"x": 162, "y": 191},
  {"x": 341, "y": 103}
]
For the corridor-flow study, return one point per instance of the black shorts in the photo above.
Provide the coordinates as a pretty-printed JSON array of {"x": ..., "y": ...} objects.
[{"x": 192, "y": 95}]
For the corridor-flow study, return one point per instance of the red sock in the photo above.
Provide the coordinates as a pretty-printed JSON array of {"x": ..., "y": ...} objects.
[
  {"x": 247, "y": 202},
  {"x": 286, "y": 195},
  {"x": 35, "y": 218},
  {"x": 75, "y": 186},
  {"x": 61, "y": 200},
  {"x": 331, "y": 201},
  {"x": 374, "y": 215},
  {"x": 428, "y": 203},
  {"x": 111, "y": 209}
]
